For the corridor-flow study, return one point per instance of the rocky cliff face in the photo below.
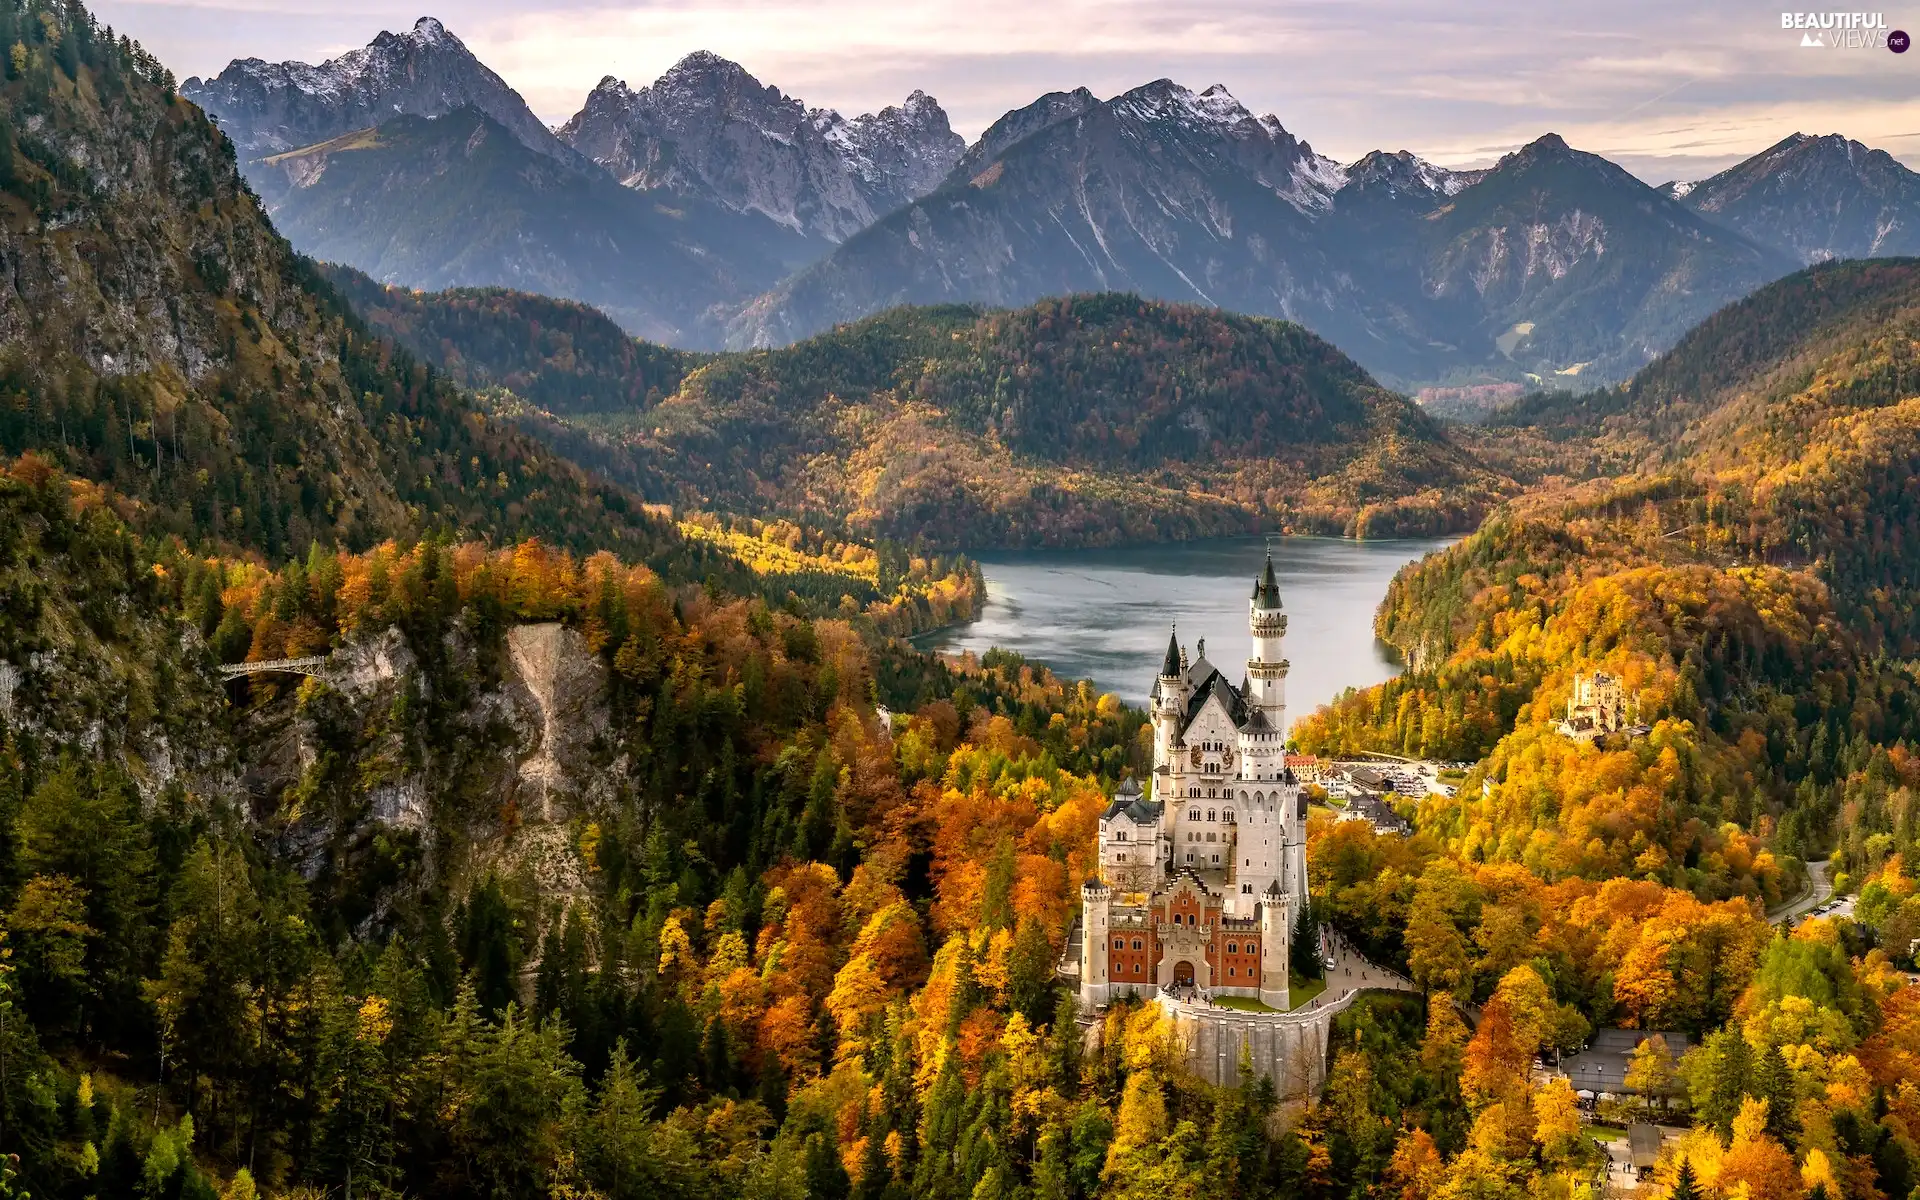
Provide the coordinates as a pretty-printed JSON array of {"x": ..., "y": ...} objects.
[
  {"x": 516, "y": 753},
  {"x": 1815, "y": 198},
  {"x": 1019, "y": 125},
  {"x": 710, "y": 130},
  {"x": 268, "y": 108},
  {"x": 1572, "y": 266}
]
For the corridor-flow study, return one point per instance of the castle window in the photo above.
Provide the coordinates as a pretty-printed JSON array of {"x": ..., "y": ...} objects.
[
  {"x": 1193, "y": 814},
  {"x": 1209, "y": 835},
  {"x": 1216, "y": 860},
  {"x": 1136, "y": 943},
  {"x": 1119, "y": 943},
  {"x": 1226, "y": 814},
  {"x": 1136, "y": 968},
  {"x": 1120, "y": 836},
  {"x": 1246, "y": 889},
  {"x": 1233, "y": 947},
  {"x": 1231, "y": 971},
  {"x": 1209, "y": 814},
  {"x": 1189, "y": 853}
]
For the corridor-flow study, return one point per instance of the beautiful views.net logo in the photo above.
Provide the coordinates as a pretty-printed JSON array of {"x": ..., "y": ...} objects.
[{"x": 1841, "y": 30}]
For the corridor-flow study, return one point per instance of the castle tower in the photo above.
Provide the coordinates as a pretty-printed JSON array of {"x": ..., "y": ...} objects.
[
  {"x": 1276, "y": 943},
  {"x": 1170, "y": 704},
  {"x": 1096, "y": 902},
  {"x": 1267, "y": 669}
]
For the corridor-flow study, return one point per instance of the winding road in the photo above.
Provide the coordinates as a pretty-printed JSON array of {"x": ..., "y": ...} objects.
[{"x": 1819, "y": 890}]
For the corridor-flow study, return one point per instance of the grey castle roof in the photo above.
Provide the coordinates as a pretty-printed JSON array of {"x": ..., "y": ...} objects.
[
  {"x": 1211, "y": 682},
  {"x": 1128, "y": 799}
]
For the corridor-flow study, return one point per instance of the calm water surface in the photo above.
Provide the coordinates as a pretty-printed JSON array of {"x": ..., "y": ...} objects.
[{"x": 1103, "y": 614}]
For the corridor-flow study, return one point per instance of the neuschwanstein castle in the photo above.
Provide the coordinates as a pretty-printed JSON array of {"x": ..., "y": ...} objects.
[{"x": 1201, "y": 881}]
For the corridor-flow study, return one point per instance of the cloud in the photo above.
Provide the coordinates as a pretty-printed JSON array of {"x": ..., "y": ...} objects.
[{"x": 1661, "y": 87}]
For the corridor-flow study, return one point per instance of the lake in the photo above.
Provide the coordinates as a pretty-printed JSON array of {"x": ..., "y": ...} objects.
[{"x": 1103, "y": 614}]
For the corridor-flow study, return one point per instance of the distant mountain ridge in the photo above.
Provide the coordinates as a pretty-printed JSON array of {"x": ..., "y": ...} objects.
[
  {"x": 1549, "y": 264},
  {"x": 457, "y": 201},
  {"x": 710, "y": 130},
  {"x": 1816, "y": 198},
  {"x": 269, "y": 108},
  {"x": 756, "y": 220}
]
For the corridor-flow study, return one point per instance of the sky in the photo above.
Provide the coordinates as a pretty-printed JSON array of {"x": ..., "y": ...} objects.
[{"x": 1668, "y": 90}]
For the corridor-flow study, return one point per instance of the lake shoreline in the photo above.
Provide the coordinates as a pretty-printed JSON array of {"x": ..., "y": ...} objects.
[{"x": 1104, "y": 613}]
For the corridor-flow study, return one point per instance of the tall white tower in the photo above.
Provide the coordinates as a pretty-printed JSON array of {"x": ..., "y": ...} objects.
[
  {"x": 1267, "y": 669},
  {"x": 1170, "y": 706}
]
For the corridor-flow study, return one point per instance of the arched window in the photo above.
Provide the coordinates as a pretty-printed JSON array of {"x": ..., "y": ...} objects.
[
  {"x": 1193, "y": 814},
  {"x": 1136, "y": 943},
  {"x": 1120, "y": 835},
  {"x": 1209, "y": 814},
  {"x": 1119, "y": 943},
  {"x": 1233, "y": 947},
  {"x": 1216, "y": 860},
  {"x": 1226, "y": 815},
  {"x": 1246, "y": 889}
]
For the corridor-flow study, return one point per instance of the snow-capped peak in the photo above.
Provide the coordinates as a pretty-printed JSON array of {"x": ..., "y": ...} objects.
[
  {"x": 1315, "y": 179},
  {"x": 429, "y": 31}
]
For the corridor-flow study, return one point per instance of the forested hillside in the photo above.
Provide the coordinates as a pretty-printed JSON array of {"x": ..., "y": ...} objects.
[
  {"x": 1087, "y": 420},
  {"x": 1751, "y": 587},
  {"x": 157, "y": 335}
]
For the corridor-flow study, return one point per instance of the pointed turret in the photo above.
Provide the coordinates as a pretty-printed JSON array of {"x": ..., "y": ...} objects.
[
  {"x": 1266, "y": 589},
  {"x": 1267, "y": 666},
  {"x": 1171, "y": 666}
]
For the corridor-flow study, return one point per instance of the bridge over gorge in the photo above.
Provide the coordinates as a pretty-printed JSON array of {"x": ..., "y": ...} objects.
[{"x": 314, "y": 665}]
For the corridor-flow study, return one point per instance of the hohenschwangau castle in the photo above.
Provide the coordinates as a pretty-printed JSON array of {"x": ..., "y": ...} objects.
[{"x": 1200, "y": 882}]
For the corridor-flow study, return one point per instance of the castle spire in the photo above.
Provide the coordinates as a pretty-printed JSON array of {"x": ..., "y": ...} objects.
[
  {"x": 1171, "y": 666},
  {"x": 1266, "y": 590}
]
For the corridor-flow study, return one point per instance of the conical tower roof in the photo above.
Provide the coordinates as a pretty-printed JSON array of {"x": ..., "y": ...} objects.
[
  {"x": 1171, "y": 666},
  {"x": 1266, "y": 590}
]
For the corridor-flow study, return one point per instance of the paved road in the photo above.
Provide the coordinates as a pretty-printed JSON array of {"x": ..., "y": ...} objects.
[
  {"x": 1352, "y": 973},
  {"x": 1819, "y": 891}
]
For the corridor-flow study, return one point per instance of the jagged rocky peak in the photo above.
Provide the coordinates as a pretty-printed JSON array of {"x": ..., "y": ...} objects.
[
  {"x": 1214, "y": 123},
  {"x": 1816, "y": 197},
  {"x": 268, "y": 108},
  {"x": 708, "y": 127},
  {"x": 1020, "y": 124},
  {"x": 1402, "y": 172}
]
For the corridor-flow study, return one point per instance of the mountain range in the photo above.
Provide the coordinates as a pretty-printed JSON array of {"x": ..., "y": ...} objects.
[{"x": 710, "y": 210}]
